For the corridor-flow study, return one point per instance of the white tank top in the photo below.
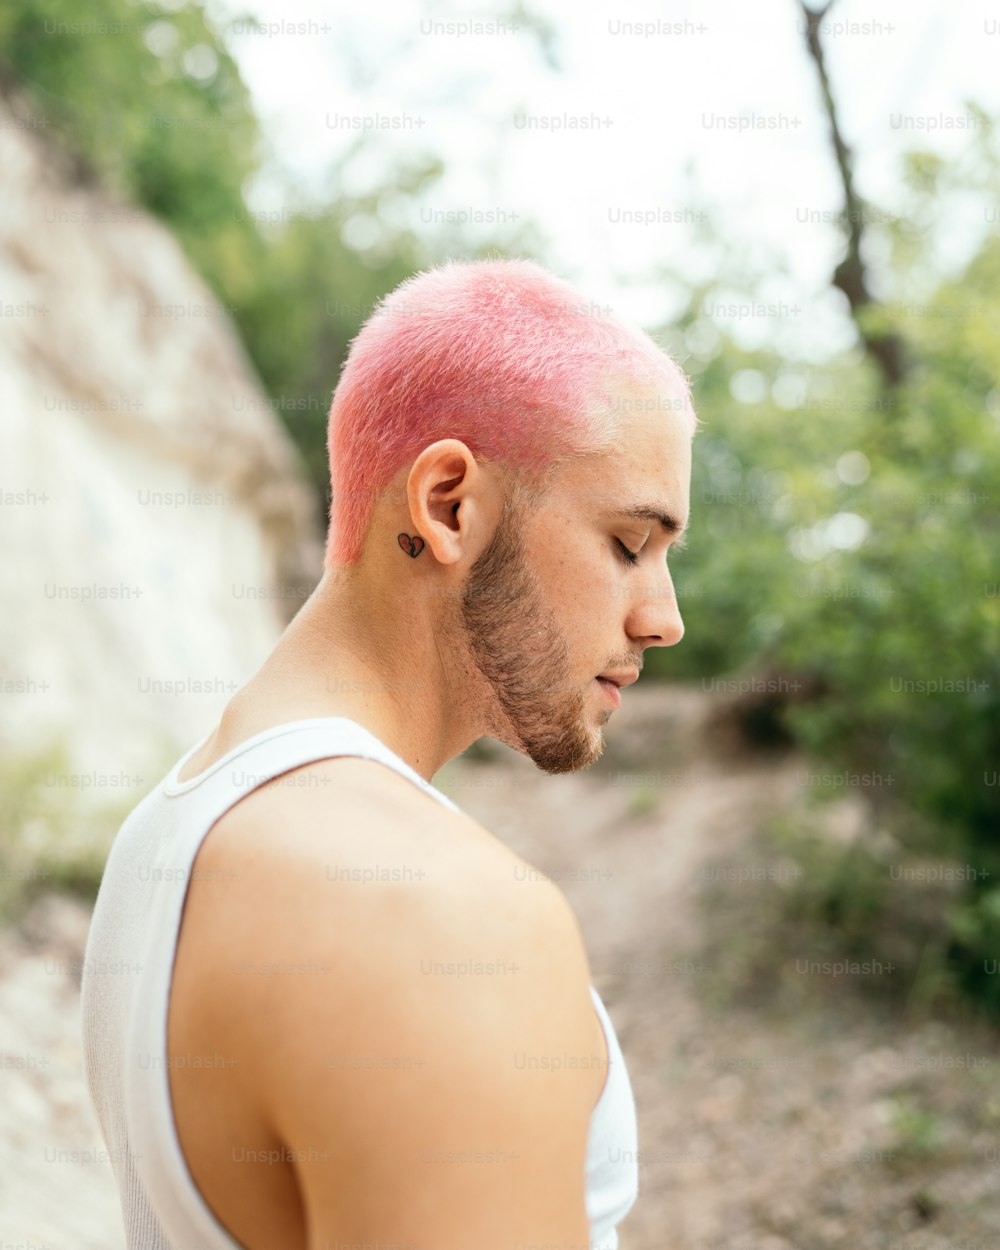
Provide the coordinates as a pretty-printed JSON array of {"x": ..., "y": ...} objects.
[{"x": 125, "y": 992}]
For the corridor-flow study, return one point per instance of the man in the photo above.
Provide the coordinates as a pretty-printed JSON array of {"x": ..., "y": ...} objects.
[{"x": 354, "y": 1019}]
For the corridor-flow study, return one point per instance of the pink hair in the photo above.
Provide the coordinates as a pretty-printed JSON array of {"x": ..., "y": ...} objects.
[{"x": 498, "y": 353}]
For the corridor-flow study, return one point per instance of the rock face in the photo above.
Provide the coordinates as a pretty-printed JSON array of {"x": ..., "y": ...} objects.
[{"x": 157, "y": 528}]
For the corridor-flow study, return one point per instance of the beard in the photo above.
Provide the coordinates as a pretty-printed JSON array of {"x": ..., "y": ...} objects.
[{"x": 516, "y": 645}]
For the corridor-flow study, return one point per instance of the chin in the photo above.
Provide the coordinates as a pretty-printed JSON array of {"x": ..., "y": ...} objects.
[
  {"x": 568, "y": 753},
  {"x": 564, "y": 737}
]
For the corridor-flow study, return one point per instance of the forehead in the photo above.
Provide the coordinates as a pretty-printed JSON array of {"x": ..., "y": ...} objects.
[{"x": 649, "y": 461}]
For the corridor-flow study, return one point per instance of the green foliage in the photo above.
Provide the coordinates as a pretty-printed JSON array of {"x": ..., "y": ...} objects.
[
  {"x": 851, "y": 535},
  {"x": 172, "y": 129},
  {"x": 643, "y": 800},
  {"x": 842, "y": 887},
  {"x": 308, "y": 299},
  {"x": 49, "y": 838},
  {"x": 917, "y": 1129},
  {"x": 150, "y": 97}
]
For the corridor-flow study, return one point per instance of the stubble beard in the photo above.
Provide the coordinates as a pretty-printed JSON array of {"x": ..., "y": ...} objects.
[{"x": 515, "y": 644}]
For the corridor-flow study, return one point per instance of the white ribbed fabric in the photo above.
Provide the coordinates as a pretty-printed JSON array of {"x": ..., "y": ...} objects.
[{"x": 126, "y": 985}]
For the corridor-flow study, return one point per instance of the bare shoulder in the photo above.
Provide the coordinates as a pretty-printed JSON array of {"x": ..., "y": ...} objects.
[
  {"x": 417, "y": 1070},
  {"x": 415, "y": 996},
  {"x": 355, "y": 810},
  {"x": 346, "y": 855}
]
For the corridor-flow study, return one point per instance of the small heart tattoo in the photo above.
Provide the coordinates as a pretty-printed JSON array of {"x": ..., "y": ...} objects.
[{"x": 412, "y": 546}]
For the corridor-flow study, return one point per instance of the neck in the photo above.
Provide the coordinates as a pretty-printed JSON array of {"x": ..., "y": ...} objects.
[{"x": 377, "y": 658}]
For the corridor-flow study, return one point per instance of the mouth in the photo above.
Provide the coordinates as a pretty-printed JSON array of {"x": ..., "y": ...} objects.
[{"x": 610, "y": 688}]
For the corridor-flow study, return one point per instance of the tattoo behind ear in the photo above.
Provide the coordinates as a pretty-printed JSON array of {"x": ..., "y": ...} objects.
[{"x": 412, "y": 546}]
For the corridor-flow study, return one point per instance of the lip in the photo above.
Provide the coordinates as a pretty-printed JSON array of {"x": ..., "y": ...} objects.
[
  {"x": 610, "y": 689},
  {"x": 620, "y": 681}
]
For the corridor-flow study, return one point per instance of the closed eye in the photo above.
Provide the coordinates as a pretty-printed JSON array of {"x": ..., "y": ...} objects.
[{"x": 628, "y": 556}]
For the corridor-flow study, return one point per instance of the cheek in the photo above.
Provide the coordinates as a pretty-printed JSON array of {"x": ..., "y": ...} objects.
[
  {"x": 577, "y": 576},
  {"x": 585, "y": 589}
]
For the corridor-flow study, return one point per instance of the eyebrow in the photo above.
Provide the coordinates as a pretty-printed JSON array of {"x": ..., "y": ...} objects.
[{"x": 652, "y": 512}]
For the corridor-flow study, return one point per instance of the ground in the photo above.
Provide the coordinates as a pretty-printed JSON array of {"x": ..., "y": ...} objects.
[{"x": 801, "y": 1111}]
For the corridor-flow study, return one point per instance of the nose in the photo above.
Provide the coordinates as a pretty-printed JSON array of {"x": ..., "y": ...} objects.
[{"x": 655, "y": 620}]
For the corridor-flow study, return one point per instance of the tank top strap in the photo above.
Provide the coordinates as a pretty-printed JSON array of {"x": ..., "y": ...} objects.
[{"x": 277, "y": 750}]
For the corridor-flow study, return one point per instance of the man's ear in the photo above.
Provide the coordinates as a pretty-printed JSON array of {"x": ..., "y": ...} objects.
[{"x": 446, "y": 496}]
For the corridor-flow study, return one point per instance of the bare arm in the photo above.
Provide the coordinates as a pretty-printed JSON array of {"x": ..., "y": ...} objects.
[{"x": 435, "y": 1088}]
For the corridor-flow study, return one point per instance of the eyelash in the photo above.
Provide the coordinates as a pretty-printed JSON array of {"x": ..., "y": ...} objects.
[{"x": 628, "y": 556}]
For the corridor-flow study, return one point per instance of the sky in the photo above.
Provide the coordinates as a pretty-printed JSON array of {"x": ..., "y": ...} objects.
[{"x": 656, "y": 114}]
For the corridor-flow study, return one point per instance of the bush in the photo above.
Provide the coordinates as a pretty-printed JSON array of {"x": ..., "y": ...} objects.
[{"x": 849, "y": 536}]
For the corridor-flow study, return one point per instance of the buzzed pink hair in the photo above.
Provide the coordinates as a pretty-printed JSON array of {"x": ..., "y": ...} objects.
[{"x": 498, "y": 353}]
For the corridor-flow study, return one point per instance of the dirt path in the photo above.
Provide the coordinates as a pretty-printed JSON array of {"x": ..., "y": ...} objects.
[{"x": 827, "y": 1124}]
